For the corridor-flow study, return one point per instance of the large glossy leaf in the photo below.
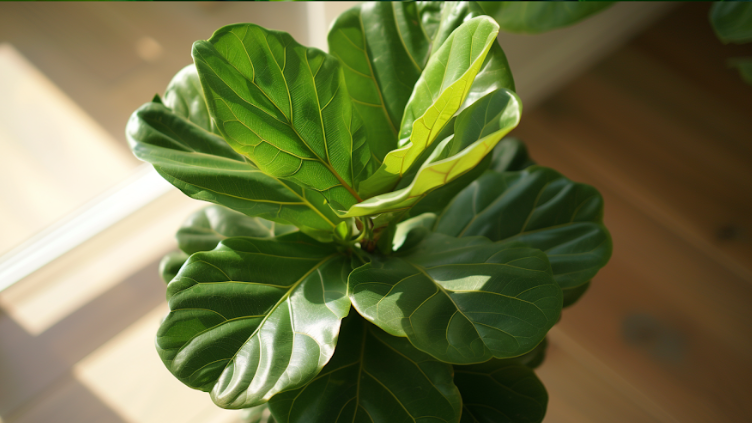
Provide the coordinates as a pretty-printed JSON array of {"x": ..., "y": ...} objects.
[
  {"x": 732, "y": 21},
  {"x": 461, "y": 300},
  {"x": 384, "y": 47},
  {"x": 477, "y": 130},
  {"x": 541, "y": 208},
  {"x": 437, "y": 96},
  {"x": 500, "y": 391},
  {"x": 530, "y": 17},
  {"x": 204, "y": 229},
  {"x": 254, "y": 317},
  {"x": 286, "y": 107},
  {"x": 204, "y": 167},
  {"x": 373, "y": 378}
]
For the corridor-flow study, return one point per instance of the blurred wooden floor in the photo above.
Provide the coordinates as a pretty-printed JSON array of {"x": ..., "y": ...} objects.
[
  {"x": 664, "y": 130},
  {"x": 661, "y": 127}
]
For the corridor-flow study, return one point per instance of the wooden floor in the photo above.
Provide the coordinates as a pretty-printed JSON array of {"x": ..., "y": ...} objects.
[
  {"x": 661, "y": 127},
  {"x": 664, "y": 130}
]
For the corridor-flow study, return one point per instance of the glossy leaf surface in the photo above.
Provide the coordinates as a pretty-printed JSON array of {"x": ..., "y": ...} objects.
[
  {"x": 373, "y": 378},
  {"x": 254, "y": 317},
  {"x": 461, "y": 300},
  {"x": 477, "y": 130},
  {"x": 204, "y": 229},
  {"x": 510, "y": 155},
  {"x": 170, "y": 265},
  {"x": 500, "y": 391},
  {"x": 186, "y": 98},
  {"x": 286, "y": 107},
  {"x": 530, "y": 17},
  {"x": 540, "y": 208},
  {"x": 204, "y": 167},
  {"x": 438, "y": 94},
  {"x": 258, "y": 414},
  {"x": 732, "y": 21},
  {"x": 383, "y": 47}
]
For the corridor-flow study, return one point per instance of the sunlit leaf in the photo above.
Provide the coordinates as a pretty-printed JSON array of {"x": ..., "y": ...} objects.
[
  {"x": 254, "y": 317},
  {"x": 461, "y": 300},
  {"x": 185, "y": 97},
  {"x": 373, "y": 378},
  {"x": 437, "y": 96},
  {"x": 477, "y": 131},
  {"x": 286, "y": 107},
  {"x": 204, "y": 167}
]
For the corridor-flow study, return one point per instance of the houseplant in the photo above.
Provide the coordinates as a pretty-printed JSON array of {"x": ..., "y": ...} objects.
[{"x": 376, "y": 251}]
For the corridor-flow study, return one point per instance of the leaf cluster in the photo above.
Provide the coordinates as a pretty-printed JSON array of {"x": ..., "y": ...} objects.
[{"x": 377, "y": 251}]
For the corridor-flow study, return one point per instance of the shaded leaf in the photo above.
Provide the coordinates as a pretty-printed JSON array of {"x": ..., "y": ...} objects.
[
  {"x": 477, "y": 131},
  {"x": 438, "y": 94},
  {"x": 744, "y": 66},
  {"x": 376, "y": 378},
  {"x": 572, "y": 295},
  {"x": 204, "y": 167},
  {"x": 529, "y": 17},
  {"x": 500, "y": 391},
  {"x": 541, "y": 208},
  {"x": 411, "y": 231},
  {"x": 510, "y": 155},
  {"x": 185, "y": 97},
  {"x": 732, "y": 21},
  {"x": 204, "y": 229},
  {"x": 170, "y": 264},
  {"x": 286, "y": 107},
  {"x": 254, "y": 317},
  {"x": 461, "y": 300},
  {"x": 258, "y": 414}
]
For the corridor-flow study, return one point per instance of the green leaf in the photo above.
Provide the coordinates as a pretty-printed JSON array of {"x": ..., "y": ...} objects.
[
  {"x": 461, "y": 300},
  {"x": 384, "y": 47},
  {"x": 477, "y": 131},
  {"x": 411, "y": 231},
  {"x": 286, "y": 107},
  {"x": 536, "y": 17},
  {"x": 258, "y": 414},
  {"x": 184, "y": 96},
  {"x": 254, "y": 317},
  {"x": 437, "y": 96},
  {"x": 204, "y": 167},
  {"x": 380, "y": 88},
  {"x": 572, "y": 295},
  {"x": 732, "y": 21},
  {"x": 510, "y": 155},
  {"x": 744, "y": 66},
  {"x": 541, "y": 208},
  {"x": 373, "y": 378},
  {"x": 500, "y": 391},
  {"x": 170, "y": 265},
  {"x": 204, "y": 229}
]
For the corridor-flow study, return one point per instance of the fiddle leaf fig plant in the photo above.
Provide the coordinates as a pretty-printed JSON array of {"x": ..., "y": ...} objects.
[{"x": 376, "y": 250}]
